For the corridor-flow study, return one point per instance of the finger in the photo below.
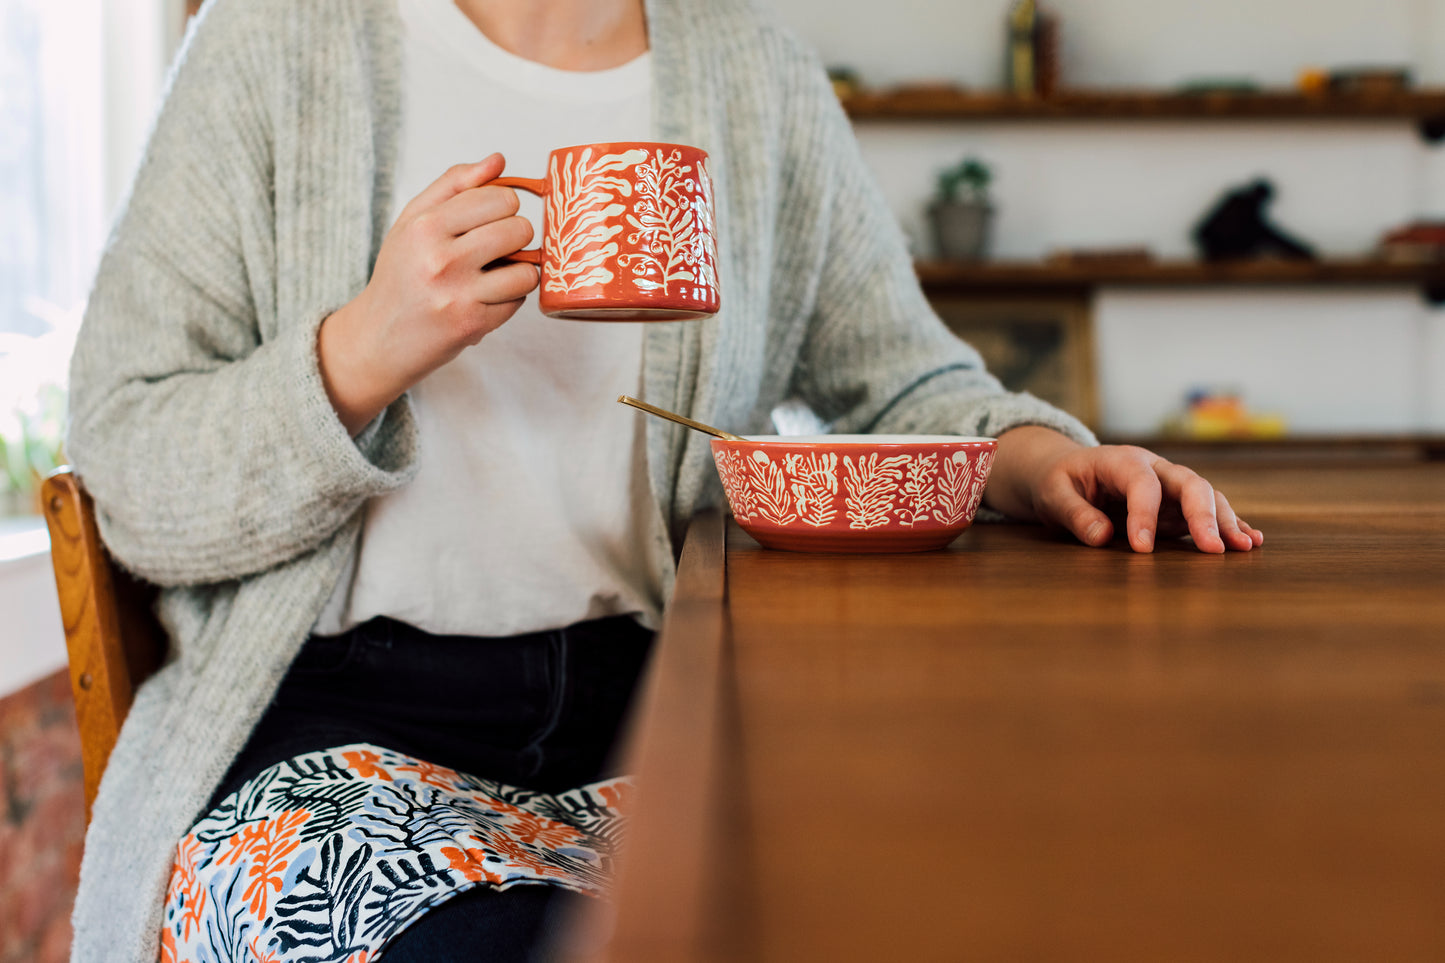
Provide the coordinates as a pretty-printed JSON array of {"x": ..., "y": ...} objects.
[
  {"x": 1129, "y": 473},
  {"x": 485, "y": 244},
  {"x": 1255, "y": 535},
  {"x": 1062, "y": 503},
  {"x": 1143, "y": 494},
  {"x": 456, "y": 179},
  {"x": 1230, "y": 531},
  {"x": 1196, "y": 500},
  {"x": 471, "y": 209},
  {"x": 506, "y": 283}
]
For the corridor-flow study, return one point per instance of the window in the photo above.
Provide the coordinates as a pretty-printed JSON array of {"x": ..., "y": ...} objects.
[{"x": 78, "y": 84}]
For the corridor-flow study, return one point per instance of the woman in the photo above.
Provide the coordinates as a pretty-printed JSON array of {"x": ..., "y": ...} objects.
[{"x": 279, "y": 411}]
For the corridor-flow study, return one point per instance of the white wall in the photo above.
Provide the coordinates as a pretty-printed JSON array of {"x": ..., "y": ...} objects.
[{"x": 1333, "y": 361}]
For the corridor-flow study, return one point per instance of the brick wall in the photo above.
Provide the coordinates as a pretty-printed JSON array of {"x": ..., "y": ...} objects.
[{"x": 42, "y": 821}]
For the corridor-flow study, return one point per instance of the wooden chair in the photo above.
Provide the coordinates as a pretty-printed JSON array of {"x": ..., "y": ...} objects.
[{"x": 111, "y": 635}]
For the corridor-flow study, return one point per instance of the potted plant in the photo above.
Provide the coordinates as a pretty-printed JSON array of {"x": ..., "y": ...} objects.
[
  {"x": 961, "y": 213},
  {"x": 30, "y": 448}
]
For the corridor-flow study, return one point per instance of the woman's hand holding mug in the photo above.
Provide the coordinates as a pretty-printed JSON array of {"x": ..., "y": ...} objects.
[{"x": 431, "y": 293}]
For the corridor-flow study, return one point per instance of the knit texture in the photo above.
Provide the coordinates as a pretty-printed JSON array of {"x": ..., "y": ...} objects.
[{"x": 202, "y": 429}]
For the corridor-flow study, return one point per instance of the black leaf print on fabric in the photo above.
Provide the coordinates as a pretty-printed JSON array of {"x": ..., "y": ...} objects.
[
  {"x": 225, "y": 931},
  {"x": 331, "y": 800},
  {"x": 411, "y": 817},
  {"x": 323, "y": 906},
  {"x": 412, "y": 880},
  {"x": 243, "y": 807}
]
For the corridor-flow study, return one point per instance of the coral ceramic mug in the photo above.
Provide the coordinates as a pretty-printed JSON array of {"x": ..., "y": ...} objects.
[{"x": 627, "y": 233}]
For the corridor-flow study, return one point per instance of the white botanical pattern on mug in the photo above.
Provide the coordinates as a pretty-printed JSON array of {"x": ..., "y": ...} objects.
[
  {"x": 815, "y": 485},
  {"x": 673, "y": 220},
  {"x": 582, "y": 200},
  {"x": 869, "y": 485},
  {"x": 917, "y": 494}
]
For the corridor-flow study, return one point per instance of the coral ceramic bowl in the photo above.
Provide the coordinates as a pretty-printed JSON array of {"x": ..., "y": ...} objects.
[{"x": 854, "y": 493}]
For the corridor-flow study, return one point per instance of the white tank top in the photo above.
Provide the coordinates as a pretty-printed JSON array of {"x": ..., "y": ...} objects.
[{"x": 530, "y": 509}]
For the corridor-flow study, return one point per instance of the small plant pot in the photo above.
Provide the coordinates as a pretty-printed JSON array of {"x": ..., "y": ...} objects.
[{"x": 961, "y": 229}]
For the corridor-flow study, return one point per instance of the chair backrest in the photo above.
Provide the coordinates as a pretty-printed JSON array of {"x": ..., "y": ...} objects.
[{"x": 111, "y": 635}]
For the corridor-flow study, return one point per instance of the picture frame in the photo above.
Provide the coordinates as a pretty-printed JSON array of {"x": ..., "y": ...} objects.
[{"x": 1044, "y": 346}]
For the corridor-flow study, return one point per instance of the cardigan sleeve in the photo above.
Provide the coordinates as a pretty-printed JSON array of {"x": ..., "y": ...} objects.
[
  {"x": 199, "y": 421},
  {"x": 876, "y": 358}
]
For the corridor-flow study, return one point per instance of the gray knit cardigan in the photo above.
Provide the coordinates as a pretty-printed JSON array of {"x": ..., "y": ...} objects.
[{"x": 201, "y": 427}]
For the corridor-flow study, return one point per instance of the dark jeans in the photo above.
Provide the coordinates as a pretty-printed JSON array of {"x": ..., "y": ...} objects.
[{"x": 541, "y": 711}]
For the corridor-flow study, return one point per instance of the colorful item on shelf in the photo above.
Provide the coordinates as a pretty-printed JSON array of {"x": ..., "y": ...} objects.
[
  {"x": 1211, "y": 415},
  {"x": 1419, "y": 242},
  {"x": 1031, "y": 59},
  {"x": 1313, "y": 81},
  {"x": 1019, "y": 74}
]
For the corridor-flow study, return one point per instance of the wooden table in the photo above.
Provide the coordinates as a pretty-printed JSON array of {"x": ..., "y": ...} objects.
[{"x": 1023, "y": 749}]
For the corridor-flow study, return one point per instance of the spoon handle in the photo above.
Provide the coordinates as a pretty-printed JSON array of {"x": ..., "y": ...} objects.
[{"x": 672, "y": 416}]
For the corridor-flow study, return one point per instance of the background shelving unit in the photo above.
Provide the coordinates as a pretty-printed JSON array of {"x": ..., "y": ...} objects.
[{"x": 1076, "y": 280}]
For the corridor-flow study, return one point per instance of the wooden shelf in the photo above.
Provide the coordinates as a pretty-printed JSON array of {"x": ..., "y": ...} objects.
[
  {"x": 1294, "y": 449},
  {"x": 1425, "y": 107},
  {"x": 1044, "y": 277}
]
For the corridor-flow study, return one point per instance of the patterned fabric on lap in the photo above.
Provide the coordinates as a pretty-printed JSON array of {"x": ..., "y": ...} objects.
[{"x": 327, "y": 856}]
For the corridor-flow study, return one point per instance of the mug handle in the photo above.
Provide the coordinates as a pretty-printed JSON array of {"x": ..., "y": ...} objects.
[{"x": 532, "y": 255}]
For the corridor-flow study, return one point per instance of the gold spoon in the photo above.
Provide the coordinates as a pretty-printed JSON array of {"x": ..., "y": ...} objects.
[{"x": 671, "y": 416}]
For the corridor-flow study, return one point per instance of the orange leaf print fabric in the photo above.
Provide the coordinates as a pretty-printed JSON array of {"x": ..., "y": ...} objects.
[{"x": 364, "y": 763}]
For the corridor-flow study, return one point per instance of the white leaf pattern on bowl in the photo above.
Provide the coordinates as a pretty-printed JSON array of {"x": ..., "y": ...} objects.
[{"x": 898, "y": 491}]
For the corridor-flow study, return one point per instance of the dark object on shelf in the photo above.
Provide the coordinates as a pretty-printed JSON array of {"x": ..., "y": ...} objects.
[
  {"x": 1371, "y": 80},
  {"x": 1046, "y": 53},
  {"x": 1102, "y": 257},
  {"x": 1236, "y": 229},
  {"x": 1219, "y": 86},
  {"x": 1419, "y": 242}
]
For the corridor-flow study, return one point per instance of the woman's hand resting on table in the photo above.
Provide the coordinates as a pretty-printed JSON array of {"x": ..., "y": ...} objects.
[
  {"x": 1041, "y": 475},
  {"x": 431, "y": 293}
]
